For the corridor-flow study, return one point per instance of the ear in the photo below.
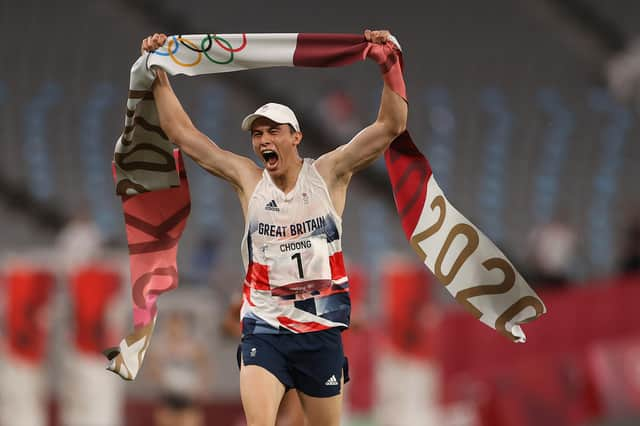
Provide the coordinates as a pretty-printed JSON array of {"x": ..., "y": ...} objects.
[{"x": 297, "y": 137}]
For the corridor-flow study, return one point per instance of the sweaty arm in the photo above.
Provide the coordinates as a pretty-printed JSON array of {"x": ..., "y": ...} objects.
[{"x": 238, "y": 170}]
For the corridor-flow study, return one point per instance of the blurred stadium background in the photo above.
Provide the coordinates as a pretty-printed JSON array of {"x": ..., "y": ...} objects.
[{"x": 528, "y": 113}]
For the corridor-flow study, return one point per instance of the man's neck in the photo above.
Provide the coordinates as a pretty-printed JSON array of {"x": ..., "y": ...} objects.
[{"x": 287, "y": 181}]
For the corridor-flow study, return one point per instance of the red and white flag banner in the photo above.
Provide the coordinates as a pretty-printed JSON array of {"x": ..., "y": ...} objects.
[{"x": 470, "y": 265}]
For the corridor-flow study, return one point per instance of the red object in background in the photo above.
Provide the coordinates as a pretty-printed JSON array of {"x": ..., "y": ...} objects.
[
  {"x": 614, "y": 369},
  {"x": 28, "y": 294},
  {"x": 558, "y": 368},
  {"x": 93, "y": 288},
  {"x": 544, "y": 390},
  {"x": 577, "y": 318},
  {"x": 357, "y": 289},
  {"x": 358, "y": 346},
  {"x": 406, "y": 289},
  {"x": 340, "y": 106}
]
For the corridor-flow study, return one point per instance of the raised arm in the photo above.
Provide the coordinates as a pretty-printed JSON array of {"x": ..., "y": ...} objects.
[
  {"x": 238, "y": 170},
  {"x": 373, "y": 140}
]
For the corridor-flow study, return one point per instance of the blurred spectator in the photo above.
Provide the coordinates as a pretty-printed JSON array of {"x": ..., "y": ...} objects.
[
  {"x": 552, "y": 249},
  {"x": 88, "y": 395},
  {"x": 23, "y": 388},
  {"x": 359, "y": 348},
  {"x": 630, "y": 259},
  {"x": 180, "y": 369},
  {"x": 406, "y": 373}
]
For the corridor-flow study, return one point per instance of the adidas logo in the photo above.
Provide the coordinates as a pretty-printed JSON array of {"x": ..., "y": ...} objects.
[
  {"x": 332, "y": 381},
  {"x": 271, "y": 205}
]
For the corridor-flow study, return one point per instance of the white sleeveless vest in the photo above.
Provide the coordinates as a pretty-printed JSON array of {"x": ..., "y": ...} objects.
[{"x": 295, "y": 276}]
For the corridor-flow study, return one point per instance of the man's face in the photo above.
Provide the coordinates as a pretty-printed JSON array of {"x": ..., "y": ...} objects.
[{"x": 275, "y": 144}]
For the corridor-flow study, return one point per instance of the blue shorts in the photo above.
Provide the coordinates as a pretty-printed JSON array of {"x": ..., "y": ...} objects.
[{"x": 313, "y": 363}]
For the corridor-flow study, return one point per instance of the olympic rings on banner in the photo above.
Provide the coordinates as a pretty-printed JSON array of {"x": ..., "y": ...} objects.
[
  {"x": 216, "y": 38},
  {"x": 205, "y": 47},
  {"x": 167, "y": 53},
  {"x": 195, "y": 49},
  {"x": 229, "y": 48},
  {"x": 172, "y": 56}
]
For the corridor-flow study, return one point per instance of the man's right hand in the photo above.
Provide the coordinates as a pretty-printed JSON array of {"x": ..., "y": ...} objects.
[{"x": 152, "y": 43}]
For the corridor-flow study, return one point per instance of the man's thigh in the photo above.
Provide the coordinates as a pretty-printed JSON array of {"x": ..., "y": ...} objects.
[
  {"x": 263, "y": 378},
  {"x": 322, "y": 411},
  {"x": 261, "y": 393},
  {"x": 290, "y": 412}
]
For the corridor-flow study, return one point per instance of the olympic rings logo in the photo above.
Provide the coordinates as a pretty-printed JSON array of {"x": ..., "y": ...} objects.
[{"x": 206, "y": 44}]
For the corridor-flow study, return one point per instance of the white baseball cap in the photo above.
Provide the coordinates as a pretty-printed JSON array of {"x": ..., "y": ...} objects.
[{"x": 278, "y": 113}]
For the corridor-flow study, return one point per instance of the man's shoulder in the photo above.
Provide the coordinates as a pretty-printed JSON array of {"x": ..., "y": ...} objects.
[{"x": 326, "y": 163}]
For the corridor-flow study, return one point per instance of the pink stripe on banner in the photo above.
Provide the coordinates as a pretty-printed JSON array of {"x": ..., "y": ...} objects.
[{"x": 154, "y": 222}]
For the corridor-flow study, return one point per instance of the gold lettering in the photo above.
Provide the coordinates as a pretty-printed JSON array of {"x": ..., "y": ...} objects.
[
  {"x": 470, "y": 247},
  {"x": 421, "y": 236},
  {"x": 472, "y": 242},
  {"x": 515, "y": 309},
  {"x": 481, "y": 290}
]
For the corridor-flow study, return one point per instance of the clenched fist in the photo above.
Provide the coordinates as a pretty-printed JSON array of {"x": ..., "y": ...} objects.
[{"x": 153, "y": 42}]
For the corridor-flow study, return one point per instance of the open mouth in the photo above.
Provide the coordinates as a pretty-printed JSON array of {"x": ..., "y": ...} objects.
[{"x": 270, "y": 158}]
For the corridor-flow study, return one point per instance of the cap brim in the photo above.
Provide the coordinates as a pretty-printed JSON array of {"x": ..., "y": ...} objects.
[{"x": 248, "y": 121}]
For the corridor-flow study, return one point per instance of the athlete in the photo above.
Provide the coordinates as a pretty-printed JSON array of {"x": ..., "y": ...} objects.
[{"x": 295, "y": 295}]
